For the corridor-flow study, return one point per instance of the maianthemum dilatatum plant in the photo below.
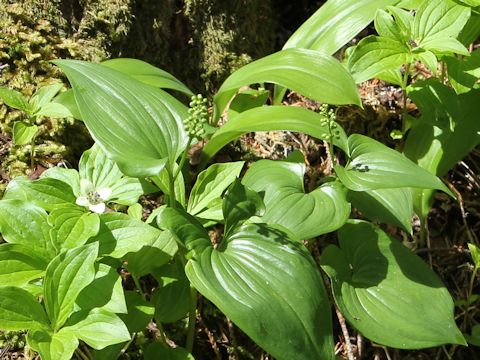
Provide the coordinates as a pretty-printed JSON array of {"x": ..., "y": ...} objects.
[{"x": 66, "y": 236}]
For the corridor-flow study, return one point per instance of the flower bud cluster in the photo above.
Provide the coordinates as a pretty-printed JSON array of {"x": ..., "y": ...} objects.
[
  {"x": 198, "y": 117},
  {"x": 329, "y": 120}
]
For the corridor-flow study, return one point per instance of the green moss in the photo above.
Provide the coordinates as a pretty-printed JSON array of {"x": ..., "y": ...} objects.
[{"x": 199, "y": 41}]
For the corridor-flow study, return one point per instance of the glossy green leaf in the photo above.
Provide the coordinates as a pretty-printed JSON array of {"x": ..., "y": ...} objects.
[
  {"x": 311, "y": 73},
  {"x": 20, "y": 310},
  {"x": 54, "y": 110},
  {"x": 386, "y": 292},
  {"x": 439, "y": 19},
  {"x": 386, "y": 26},
  {"x": 147, "y": 74},
  {"x": 140, "y": 312},
  {"x": 446, "y": 132},
  {"x": 151, "y": 256},
  {"x": 119, "y": 234},
  {"x": 24, "y": 223},
  {"x": 246, "y": 100},
  {"x": 67, "y": 275},
  {"x": 111, "y": 352},
  {"x": 404, "y": 20},
  {"x": 44, "y": 95},
  {"x": 23, "y": 133},
  {"x": 471, "y": 30},
  {"x": 53, "y": 346},
  {"x": 464, "y": 73},
  {"x": 374, "y": 55},
  {"x": 445, "y": 46},
  {"x": 66, "y": 100},
  {"x": 159, "y": 351},
  {"x": 270, "y": 118},
  {"x": 335, "y": 24},
  {"x": 240, "y": 204},
  {"x": 105, "y": 291},
  {"x": 186, "y": 229},
  {"x": 211, "y": 183},
  {"x": 373, "y": 166},
  {"x": 475, "y": 253},
  {"x": 140, "y": 127},
  {"x": 250, "y": 277},
  {"x": 47, "y": 193},
  {"x": 72, "y": 226},
  {"x": 391, "y": 206},
  {"x": 172, "y": 298},
  {"x": 323, "y": 210},
  {"x": 68, "y": 176},
  {"x": 98, "y": 328},
  {"x": 19, "y": 264},
  {"x": 14, "y": 99},
  {"x": 102, "y": 172},
  {"x": 135, "y": 211}
]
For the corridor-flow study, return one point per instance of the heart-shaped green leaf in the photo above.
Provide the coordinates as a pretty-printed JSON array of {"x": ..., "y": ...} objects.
[
  {"x": 98, "y": 328},
  {"x": 270, "y": 287},
  {"x": 140, "y": 127},
  {"x": 270, "y": 118},
  {"x": 67, "y": 275},
  {"x": 335, "y": 24},
  {"x": 391, "y": 206},
  {"x": 390, "y": 295},
  {"x": 20, "y": 310},
  {"x": 373, "y": 166},
  {"x": 311, "y": 73},
  {"x": 19, "y": 264},
  {"x": 306, "y": 215}
]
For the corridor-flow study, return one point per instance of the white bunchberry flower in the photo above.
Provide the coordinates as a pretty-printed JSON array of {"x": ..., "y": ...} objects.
[{"x": 91, "y": 198}]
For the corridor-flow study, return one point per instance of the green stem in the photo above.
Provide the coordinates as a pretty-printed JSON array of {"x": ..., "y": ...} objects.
[
  {"x": 404, "y": 89},
  {"x": 81, "y": 354},
  {"x": 183, "y": 159},
  {"x": 162, "y": 333},
  {"x": 330, "y": 143},
  {"x": 171, "y": 190},
  {"x": 192, "y": 317},
  {"x": 138, "y": 285}
]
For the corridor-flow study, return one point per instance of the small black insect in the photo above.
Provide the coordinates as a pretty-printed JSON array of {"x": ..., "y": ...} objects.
[{"x": 412, "y": 43}]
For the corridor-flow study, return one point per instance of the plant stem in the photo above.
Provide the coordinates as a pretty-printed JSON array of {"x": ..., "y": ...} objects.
[
  {"x": 81, "y": 354},
  {"x": 138, "y": 285},
  {"x": 192, "y": 316},
  {"x": 183, "y": 159},
  {"x": 161, "y": 331},
  {"x": 171, "y": 190},
  {"x": 404, "y": 89}
]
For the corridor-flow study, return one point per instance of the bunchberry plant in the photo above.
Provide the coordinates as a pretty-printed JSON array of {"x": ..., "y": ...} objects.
[{"x": 65, "y": 240}]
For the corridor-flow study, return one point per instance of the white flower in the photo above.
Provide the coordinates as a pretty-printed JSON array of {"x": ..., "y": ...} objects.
[{"x": 93, "y": 199}]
